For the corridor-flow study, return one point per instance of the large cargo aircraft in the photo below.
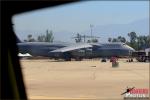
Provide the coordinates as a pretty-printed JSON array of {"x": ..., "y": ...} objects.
[{"x": 77, "y": 51}]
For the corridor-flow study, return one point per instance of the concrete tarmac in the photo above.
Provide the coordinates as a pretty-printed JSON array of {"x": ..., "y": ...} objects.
[{"x": 49, "y": 79}]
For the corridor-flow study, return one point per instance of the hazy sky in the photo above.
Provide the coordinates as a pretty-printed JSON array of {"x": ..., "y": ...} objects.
[{"x": 77, "y": 17}]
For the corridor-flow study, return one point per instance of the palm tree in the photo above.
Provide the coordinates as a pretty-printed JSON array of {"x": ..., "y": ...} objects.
[
  {"x": 49, "y": 36},
  {"x": 109, "y": 39},
  {"x": 114, "y": 40}
]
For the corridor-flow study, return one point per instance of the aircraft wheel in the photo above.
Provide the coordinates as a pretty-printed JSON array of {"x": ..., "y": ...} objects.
[
  {"x": 103, "y": 60},
  {"x": 68, "y": 59},
  {"x": 78, "y": 58},
  {"x": 67, "y": 56},
  {"x": 56, "y": 58}
]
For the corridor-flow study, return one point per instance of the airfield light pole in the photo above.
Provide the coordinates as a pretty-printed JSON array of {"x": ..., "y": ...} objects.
[
  {"x": 91, "y": 26},
  {"x": 84, "y": 38}
]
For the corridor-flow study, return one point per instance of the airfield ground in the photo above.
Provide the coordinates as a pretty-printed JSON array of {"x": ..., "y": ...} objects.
[{"x": 47, "y": 79}]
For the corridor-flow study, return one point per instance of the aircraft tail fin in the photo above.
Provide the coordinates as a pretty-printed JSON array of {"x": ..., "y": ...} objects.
[{"x": 18, "y": 40}]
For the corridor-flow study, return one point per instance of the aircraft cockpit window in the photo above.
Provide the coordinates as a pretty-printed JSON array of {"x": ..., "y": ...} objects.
[{"x": 67, "y": 53}]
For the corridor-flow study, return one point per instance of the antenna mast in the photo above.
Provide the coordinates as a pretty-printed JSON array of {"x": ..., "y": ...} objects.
[{"x": 91, "y": 26}]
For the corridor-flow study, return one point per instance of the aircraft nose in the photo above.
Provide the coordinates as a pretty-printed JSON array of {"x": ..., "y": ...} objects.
[{"x": 130, "y": 49}]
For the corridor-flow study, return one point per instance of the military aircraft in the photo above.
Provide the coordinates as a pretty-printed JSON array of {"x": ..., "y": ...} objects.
[{"x": 77, "y": 51}]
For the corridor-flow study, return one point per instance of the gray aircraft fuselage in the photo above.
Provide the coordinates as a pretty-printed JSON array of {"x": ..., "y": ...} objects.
[
  {"x": 39, "y": 48},
  {"x": 97, "y": 50}
]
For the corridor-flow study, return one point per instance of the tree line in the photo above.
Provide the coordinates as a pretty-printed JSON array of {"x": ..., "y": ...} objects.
[
  {"x": 136, "y": 42},
  {"x": 82, "y": 38},
  {"x": 48, "y": 37}
]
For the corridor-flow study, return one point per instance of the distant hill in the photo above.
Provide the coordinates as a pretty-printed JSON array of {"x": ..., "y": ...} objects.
[{"x": 141, "y": 27}]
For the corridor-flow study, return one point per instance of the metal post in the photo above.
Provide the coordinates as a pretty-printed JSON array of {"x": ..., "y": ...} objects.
[{"x": 91, "y": 31}]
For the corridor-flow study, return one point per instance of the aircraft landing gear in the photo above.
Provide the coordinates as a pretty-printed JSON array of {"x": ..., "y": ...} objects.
[
  {"x": 67, "y": 56},
  {"x": 103, "y": 60},
  {"x": 78, "y": 58},
  {"x": 67, "y": 59}
]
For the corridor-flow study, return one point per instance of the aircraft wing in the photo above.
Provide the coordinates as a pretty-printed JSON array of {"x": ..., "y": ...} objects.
[{"x": 72, "y": 47}]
